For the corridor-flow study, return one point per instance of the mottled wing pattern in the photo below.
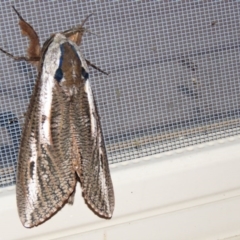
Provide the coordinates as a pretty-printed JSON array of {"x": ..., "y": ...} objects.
[
  {"x": 62, "y": 136},
  {"x": 88, "y": 150},
  {"x": 46, "y": 177},
  {"x": 94, "y": 172}
]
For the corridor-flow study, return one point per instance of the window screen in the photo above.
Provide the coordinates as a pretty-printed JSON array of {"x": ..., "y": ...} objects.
[{"x": 173, "y": 72}]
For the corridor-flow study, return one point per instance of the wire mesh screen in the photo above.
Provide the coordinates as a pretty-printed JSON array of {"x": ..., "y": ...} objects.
[{"x": 174, "y": 72}]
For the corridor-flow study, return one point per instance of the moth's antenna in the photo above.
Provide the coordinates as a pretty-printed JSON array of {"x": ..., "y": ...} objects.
[{"x": 85, "y": 20}]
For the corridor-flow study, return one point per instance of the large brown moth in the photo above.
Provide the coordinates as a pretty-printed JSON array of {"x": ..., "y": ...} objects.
[{"x": 62, "y": 140}]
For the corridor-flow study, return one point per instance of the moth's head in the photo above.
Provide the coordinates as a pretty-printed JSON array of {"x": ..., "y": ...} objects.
[{"x": 75, "y": 34}]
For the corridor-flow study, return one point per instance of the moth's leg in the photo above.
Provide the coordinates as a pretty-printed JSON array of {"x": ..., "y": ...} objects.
[
  {"x": 95, "y": 67},
  {"x": 21, "y": 58},
  {"x": 34, "y": 49}
]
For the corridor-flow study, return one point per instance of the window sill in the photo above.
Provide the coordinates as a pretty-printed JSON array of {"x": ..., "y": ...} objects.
[{"x": 191, "y": 193}]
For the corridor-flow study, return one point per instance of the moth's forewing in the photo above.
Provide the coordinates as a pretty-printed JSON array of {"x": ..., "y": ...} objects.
[{"x": 46, "y": 177}]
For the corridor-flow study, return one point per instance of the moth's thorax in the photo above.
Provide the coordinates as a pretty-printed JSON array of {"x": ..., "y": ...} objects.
[
  {"x": 59, "y": 38},
  {"x": 68, "y": 68}
]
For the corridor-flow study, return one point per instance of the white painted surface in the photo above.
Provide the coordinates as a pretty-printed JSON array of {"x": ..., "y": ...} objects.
[{"x": 192, "y": 193}]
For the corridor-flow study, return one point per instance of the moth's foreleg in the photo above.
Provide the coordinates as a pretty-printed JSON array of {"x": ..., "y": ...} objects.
[
  {"x": 21, "y": 58},
  {"x": 95, "y": 67},
  {"x": 34, "y": 49}
]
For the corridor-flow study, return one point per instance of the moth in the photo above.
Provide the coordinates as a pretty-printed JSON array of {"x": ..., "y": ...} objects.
[{"x": 62, "y": 141}]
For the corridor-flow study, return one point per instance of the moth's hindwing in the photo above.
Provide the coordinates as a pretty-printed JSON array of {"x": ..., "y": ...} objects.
[{"x": 61, "y": 139}]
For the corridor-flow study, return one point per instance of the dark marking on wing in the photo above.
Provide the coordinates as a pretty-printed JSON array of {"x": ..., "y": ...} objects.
[
  {"x": 84, "y": 73},
  {"x": 32, "y": 165},
  {"x": 43, "y": 118},
  {"x": 59, "y": 73}
]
